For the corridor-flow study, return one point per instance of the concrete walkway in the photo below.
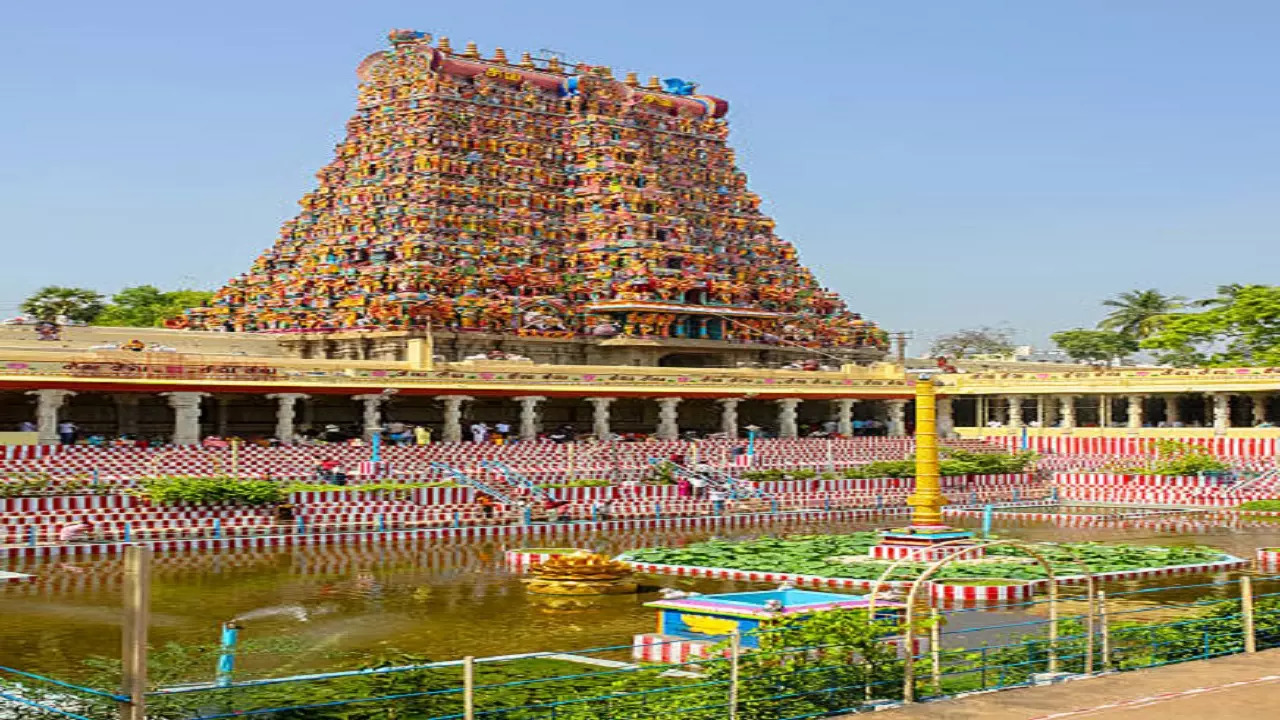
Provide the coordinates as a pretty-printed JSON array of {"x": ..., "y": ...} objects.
[{"x": 1238, "y": 686}]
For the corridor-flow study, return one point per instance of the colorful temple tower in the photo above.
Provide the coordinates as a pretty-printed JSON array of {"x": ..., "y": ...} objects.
[{"x": 497, "y": 202}]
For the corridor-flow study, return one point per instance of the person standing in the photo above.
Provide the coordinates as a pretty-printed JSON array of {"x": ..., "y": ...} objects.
[
  {"x": 67, "y": 432},
  {"x": 421, "y": 435}
]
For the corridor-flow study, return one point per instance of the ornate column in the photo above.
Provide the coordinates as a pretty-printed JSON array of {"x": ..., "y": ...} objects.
[
  {"x": 126, "y": 413},
  {"x": 1104, "y": 411},
  {"x": 1049, "y": 408},
  {"x": 1067, "y": 406},
  {"x": 1135, "y": 411},
  {"x": 48, "y": 402},
  {"x": 600, "y": 417},
  {"x": 186, "y": 416},
  {"x": 371, "y": 414},
  {"x": 286, "y": 412},
  {"x": 787, "y": 427},
  {"x": 1259, "y": 408},
  {"x": 668, "y": 418},
  {"x": 1221, "y": 413},
  {"x": 452, "y": 417},
  {"x": 897, "y": 418},
  {"x": 220, "y": 415},
  {"x": 945, "y": 420},
  {"x": 1171, "y": 410},
  {"x": 844, "y": 416},
  {"x": 529, "y": 416},
  {"x": 729, "y": 417},
  {"x": 1015, "y": 410}
]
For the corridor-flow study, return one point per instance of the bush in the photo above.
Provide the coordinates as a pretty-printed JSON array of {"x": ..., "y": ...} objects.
[
  {"x": 1261, "y": 505},
  {"x": 223, "y": 490},
  {"x": 954, "y": 462}
]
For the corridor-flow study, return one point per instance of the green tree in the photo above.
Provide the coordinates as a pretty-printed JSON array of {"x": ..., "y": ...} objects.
[
  {"x": 1239, "y": 327},
  {"x": 149, "y": 306},
  {"x": 1140, "y": 313},
  {"x": 973, "y": 341},
  {"x": 1095, "y": 345},
  {"x": 54, "y": 301}
]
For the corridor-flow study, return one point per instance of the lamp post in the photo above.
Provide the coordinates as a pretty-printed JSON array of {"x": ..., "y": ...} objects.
[
  {"x": 927, "y": 500},
  {"x": 751, "y": 440}
]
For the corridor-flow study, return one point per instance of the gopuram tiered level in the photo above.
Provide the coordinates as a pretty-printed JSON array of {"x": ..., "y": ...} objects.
[{"x": 552, "y": 212}]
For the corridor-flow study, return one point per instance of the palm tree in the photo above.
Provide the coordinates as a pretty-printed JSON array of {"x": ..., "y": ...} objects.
[
  {"x": 1226, "y": 295},
  {"x": 1139, "y": 313},
  {"x": 52, "y": 302}
]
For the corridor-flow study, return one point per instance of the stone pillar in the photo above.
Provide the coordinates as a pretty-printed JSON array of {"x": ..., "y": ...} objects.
[
  {"x": 1104, "y": 411},
  {"x": 1208, "y": 409},
  {"x": 371, "y": 414},
  {"x": 897, "y": 418},
  {"x": 844, "y": 416},
  {"x": 220, "y": 419},
  {"x": 1259, "y": 408},
  {"x": 452, "y": 417},
  {"x": 1221, "y": 413},
  {"x": 126, "y": 413},
  {"x": 1015, "y": 410},
  {"x": 529, "y": 416},
  {"x": 286, "y": 412},
  {"x": 787, "y": 410},
  {"x": 946, "y": 422},
  {"x": 729, "y": 417},
  {"x": 1135, "y": 411},
  {"x": 1049, "y": 406},
  {"x": 668, "y": 418},
  {"x": 1171, "y": 410},
  {"x": 600, "y": 417},
  {"x": 186, "y": 416},
  {"x": 1067, "y": 406},
  {"x": 48, "y": 402}
]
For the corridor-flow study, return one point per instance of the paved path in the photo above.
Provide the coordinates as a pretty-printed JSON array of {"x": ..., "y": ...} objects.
[{"x": 1238, "y": 686}]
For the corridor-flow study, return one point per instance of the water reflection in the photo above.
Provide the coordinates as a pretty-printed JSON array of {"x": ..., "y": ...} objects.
[{"x": 440, "y": 599}]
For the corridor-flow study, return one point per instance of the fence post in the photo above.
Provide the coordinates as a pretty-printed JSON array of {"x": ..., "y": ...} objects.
[
  {"x": 382, "y": 522},
  {"x": 1102, "y": 627},
  {"x": 217, "y": 528},
  {"x": 826, "y": 504},
  {"x": 935, "y": 648},
  {"x": 773, "y": 506},
  {"x": 1246, "y": 610},
  {"x": 31, "y": 535},
  {"x": 128, "y": 532},
  {"x": 735, "y": 653},
  {"x": 469, "y": 687},
  {"x": 137, "y": 618},
  {"x": 457, "y": 520},
  {"x": 657, "y": 510},
  {"x": 302, "y": 526}
]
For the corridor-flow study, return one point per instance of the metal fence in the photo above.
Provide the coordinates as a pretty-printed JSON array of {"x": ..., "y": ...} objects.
[{"x": 851, "y": 668}]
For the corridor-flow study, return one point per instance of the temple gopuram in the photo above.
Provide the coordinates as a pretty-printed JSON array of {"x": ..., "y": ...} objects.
[{"x": 546, "y": 211}]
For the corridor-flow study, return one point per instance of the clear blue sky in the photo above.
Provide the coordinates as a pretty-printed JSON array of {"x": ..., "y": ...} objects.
[{"x": 942, "y": 163}]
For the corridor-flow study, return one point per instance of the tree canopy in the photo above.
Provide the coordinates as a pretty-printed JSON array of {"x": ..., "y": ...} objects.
[
  {"x": 973, "y": 341},
  {"x": 137, "y": 306},
  {"x": 149, "y": 306},
  {"x": 1095, "y": 345},
  {"x": 1139, "y": 313},
  {"x": 52, "y": 302},
  {"x": 1241, "y": 326}
]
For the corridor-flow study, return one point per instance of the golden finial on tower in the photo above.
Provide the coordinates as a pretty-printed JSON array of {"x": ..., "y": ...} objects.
[
  {"x": 526, "y": 60},
  {"x": 500, "y": 55},
  {"x": 653, "y": 83},
  {"x": 605, "y": 72},
  {"x": 444, "y": 45},
  {"x": 554, "y": 65},
  {"x": 472, "y": 51},
  {"x": 632, "y": 79}
]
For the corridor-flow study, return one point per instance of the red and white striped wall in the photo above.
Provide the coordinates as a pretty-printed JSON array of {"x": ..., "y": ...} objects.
[
  {"x": 1071, "y": 445},
  {"x": 1268, "y": 559},
  {"x": 944, "y": 592}
]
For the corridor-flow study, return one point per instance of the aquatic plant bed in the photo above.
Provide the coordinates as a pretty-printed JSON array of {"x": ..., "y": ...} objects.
[{"x": 841, "y": 561}]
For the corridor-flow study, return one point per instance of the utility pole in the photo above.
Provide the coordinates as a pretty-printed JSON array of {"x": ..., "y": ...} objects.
[
  {"x": 137, "y": 618},
  {"x": 900, "y": 338}
]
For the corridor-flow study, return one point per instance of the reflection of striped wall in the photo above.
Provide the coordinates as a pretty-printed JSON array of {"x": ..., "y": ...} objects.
[{"x": 1222, "y": 446}]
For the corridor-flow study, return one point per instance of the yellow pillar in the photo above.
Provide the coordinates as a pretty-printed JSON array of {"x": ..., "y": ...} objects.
[{"x": 927, "y": 498}]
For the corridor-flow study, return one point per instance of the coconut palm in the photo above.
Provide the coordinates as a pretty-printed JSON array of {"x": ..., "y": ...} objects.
[
  {"x": 52, "y": 302},
  {"x": 1139, "y": 313}
]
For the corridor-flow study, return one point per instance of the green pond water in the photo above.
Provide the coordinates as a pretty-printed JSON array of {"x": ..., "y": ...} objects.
[{"x": 443, "y": 600}]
